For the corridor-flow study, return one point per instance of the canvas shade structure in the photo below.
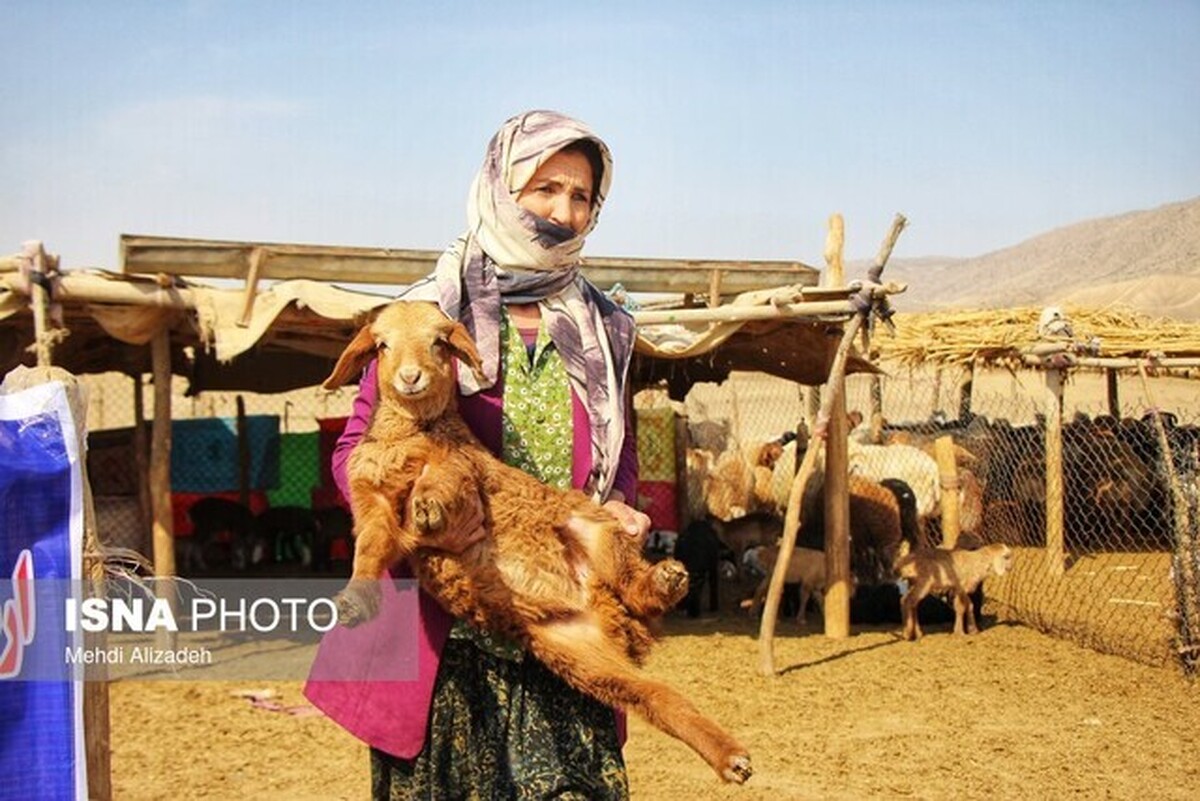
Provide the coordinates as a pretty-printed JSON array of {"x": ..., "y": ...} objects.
[{"x": 289, "y": 335}]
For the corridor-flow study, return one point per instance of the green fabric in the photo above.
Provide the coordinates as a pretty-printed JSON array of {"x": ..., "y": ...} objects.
[
  {"x": 299, "y": 470},
  {"x": 506, "y": 730},
  {"x": 537, "y": 407}
]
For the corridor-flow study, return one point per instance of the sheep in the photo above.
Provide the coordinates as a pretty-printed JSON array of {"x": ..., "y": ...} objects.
[
  {"x": 555, "y": 571},
  {"x": 806, "y": 568},
  {"x": 743, "y": 533},
  {"x": 957, "y": 571}
]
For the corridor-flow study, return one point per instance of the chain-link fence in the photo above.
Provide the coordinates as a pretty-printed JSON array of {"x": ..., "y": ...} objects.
[
  {"x": 1105, "y": 539},
  {"x": 251, "y": 485},
  {"x": 1109, "y": 560}
]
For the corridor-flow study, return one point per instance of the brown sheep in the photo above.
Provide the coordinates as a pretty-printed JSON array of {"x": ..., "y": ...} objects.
[
  {"x": 806, "y": 568},
  {"x": 556, "y": 572},
  {"x": 956, "y": 571}
]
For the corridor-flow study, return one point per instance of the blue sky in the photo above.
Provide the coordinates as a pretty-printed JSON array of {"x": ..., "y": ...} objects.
[{"x": 737, "y": 127}]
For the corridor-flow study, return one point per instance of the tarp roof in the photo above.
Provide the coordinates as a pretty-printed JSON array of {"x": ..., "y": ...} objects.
[{"x": 297, "y": 328}]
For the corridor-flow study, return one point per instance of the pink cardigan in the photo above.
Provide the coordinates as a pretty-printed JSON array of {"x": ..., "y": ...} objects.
[{"x": 389, "y": 714}]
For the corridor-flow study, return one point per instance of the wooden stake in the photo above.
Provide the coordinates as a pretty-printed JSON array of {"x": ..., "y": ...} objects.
[
  {"x": 243, "y": 451},
  {"x": 836, "y": 604},
  {"x": 791, "y": 524},
  {"x": 1055, "y": 541},
  {"x": 948, "y": 474},
  {"x": 142, "y": 466},
  {"x": 39, "y": 299}
]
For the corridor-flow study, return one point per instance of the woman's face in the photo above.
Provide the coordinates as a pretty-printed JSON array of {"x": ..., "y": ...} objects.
[{"x": 561, "y": 190}]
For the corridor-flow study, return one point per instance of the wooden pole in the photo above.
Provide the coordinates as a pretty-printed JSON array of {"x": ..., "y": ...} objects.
[
  {"x": 142, "y": 466},
  {"x": 39, "y": 299},
  {"x": 948, "y": 474},
  {"x": 682, "y": 442},
  {"x": 1114, "y": 396},
  {"x": 964, "y": 394},
  {"x": 163, "y": 527},
  {"x": 791, "y": 523},
  {"x": 837, "y": 463},
  {"x": 243, "y": 450},
  {"x": 1055, "y": 540},
  {"x": 160, "y": 457},
  {"x": 837, "y": 516}
]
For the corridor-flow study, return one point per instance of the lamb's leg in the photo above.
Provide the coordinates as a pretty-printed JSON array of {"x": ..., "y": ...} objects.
[
  {"x": 805, "y": 593},
  {"x": 577, "y": 651},
  {"x": 908, "y": 605},
  {"x": 654, "y": 588},
  {"x": 964, "y": 608},
  {"x": 441, "y": 503},
  {"x": 647, "y": 590},
  {"x": 379, "y": 542}
]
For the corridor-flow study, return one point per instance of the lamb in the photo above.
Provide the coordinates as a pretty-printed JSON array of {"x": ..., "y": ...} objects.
[
  {"x": 555, "y": 571},
  {"x": 957, "y": 571},
  {"x": 806, "y": 568}
]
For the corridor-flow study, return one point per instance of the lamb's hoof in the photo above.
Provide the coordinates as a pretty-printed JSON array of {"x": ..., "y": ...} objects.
[
  {"x": 358, "y": 603},
  {"x": 670, "y": 581},
  {"x": 738, "y": 770},
  {"x": 428, "y": 514}
]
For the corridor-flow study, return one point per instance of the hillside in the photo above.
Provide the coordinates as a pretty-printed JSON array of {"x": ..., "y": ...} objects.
[{"x": 1147, "y": 260}]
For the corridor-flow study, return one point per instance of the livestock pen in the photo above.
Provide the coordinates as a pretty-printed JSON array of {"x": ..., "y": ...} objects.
[
  {"x": 934, "y": 691},
  {"x": 1105, "y": 536}
]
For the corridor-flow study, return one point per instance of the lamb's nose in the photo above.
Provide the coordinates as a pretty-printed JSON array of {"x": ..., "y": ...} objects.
[{"x": 410, "y": 374}]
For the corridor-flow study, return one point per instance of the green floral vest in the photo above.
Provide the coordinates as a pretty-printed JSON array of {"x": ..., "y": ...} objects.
[{"x": 537, "y": 435}]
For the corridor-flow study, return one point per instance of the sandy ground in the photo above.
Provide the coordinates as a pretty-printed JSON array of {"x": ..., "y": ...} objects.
[{"x": 1009, "y": 713}]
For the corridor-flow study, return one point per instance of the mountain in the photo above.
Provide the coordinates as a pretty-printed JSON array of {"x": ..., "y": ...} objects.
[{"x": 1146, "y": 260}]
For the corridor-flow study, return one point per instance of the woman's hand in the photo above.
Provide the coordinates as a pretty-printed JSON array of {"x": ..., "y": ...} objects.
[{"x": 636, "y": 524}]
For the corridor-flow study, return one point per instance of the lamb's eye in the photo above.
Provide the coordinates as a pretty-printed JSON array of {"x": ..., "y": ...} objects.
[{"x": 381, "y": 346}]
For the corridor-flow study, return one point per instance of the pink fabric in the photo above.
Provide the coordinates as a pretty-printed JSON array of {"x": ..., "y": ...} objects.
[{"x": 391, "y": 715}]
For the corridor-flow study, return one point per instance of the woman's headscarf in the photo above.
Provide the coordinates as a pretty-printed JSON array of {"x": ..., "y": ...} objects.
[{"x": 510, "y": 254}]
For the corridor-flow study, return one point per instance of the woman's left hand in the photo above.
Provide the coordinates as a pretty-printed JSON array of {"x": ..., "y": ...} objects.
[{"x": 635, "y": 523}]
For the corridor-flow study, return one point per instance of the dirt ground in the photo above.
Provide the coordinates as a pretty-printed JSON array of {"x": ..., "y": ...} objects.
[{"x": 1008, "y": 713}]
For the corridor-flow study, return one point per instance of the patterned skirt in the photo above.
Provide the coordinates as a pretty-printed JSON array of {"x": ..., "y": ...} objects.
[{"x": 506, "y": 729}]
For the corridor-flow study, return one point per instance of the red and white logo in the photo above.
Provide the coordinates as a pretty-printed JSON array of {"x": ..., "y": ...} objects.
[{"x": 18, "y": 617}]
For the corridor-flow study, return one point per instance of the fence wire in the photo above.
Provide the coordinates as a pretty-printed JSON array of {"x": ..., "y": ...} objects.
[
  {"x": 1118, "y": 572},
  {"x": 1123, "y": 580}
]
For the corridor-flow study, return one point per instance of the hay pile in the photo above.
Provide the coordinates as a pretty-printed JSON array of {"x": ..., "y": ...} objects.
[{"x": 999, "y": 337}]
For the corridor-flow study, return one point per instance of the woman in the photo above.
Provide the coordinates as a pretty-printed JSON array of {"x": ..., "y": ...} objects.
[{"x": 484, "y": 719}]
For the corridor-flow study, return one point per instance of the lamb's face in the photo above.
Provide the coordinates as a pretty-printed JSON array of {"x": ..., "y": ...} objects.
[
  {"x": 413, "y": 346},
  {"x": 1002, "y": 559}
]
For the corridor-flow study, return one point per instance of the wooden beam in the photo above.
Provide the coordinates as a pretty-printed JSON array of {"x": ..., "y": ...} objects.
[{"x": 390, "y": 266}]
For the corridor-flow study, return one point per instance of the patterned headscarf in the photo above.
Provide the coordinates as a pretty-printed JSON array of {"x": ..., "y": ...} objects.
[{"x": 510, "y": 255}]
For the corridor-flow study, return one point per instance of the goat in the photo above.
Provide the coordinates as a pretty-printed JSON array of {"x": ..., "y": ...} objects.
[
  {"x": 555, "y": 571},
  {"x": 956, "y": 571}
]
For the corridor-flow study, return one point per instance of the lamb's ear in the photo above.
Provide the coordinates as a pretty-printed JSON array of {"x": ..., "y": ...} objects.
[
  {"x": 464, "y": 348},
  {"x": 1001, "y": 562},
  {"x": 353, "y": 359}
]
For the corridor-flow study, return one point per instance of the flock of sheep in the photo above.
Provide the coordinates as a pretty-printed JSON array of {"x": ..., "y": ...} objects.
[{"x": 895, "y": 505}]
